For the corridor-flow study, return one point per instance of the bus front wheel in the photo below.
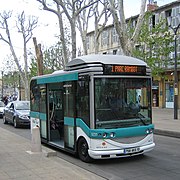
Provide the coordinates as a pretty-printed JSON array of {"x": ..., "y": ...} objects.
[{"x": 83, "y": 150}]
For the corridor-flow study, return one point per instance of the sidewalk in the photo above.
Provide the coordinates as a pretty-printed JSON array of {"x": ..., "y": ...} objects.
[
  {"x": 165, "y": 124},
  {"x": 17, "y": 164}
]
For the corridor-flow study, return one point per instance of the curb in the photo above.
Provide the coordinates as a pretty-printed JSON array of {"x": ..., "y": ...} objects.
[
  {"x": 167, "y": 133},
  {"x": 48, "y": 152}
]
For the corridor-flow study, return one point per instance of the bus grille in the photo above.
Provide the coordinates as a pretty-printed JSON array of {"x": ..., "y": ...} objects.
[{"x": 129, "y": 140}]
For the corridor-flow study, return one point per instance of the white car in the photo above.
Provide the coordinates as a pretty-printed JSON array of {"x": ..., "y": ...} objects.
[{"x": 1, "y": 108}]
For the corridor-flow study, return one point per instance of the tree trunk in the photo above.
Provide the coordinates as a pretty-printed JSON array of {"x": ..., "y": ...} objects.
[
  {"x": 73, "y": 36},
  {"x": 62, "y": 38},
  {"x": 126, "y": 43}
]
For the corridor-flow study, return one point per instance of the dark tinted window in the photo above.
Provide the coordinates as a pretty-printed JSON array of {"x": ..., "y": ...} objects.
[
  {"x": 43, "y": 98},
  {"x": 69, "y": 97},
  {"x": 83, "y": 100},
  {"x": 34, "y": 96}
]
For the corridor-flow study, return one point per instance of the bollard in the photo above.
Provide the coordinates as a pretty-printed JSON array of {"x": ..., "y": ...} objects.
[{"x": 36, "y": 140}]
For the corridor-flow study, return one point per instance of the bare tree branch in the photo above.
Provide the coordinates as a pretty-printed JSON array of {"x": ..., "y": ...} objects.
[
  {"x": 26, "y": 30},
  {"x": 126, "y": 43},
  {"x": 58, "y": 12},
  {"x": 140, "y": 20}
]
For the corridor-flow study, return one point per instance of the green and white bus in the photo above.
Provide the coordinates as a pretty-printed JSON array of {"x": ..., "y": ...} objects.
[{"x": 98, "y": 107}]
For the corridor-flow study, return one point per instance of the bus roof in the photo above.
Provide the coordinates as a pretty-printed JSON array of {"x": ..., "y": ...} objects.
[
  {"x": 105, "y": 59},
  {"x": 90, "y": 64}
]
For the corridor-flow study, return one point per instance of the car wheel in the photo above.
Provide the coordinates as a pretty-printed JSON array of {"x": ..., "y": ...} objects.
[
  {"x": 4, "y": 119},
  {"x": 83, "y": 150},
  {"x": 15, "y": 123}
]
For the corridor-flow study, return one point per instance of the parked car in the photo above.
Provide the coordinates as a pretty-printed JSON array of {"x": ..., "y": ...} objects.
[
  {"x": 17, "y": 113},
  {"x": 1, "y": 108}
]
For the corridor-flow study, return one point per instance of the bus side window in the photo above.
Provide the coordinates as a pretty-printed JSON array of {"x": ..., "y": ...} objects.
[
  {"x": 34, "y": 96},
  {"x": 83, "y": 100}
]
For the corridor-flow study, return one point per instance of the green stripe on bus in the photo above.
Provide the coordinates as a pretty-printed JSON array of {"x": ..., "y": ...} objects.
[
  {"x": 119, "y": 132},
  {"x": 34, "y": 114},
  {"x": 42, "y": 116},
  {"x": 57, "y": 78},
  {"x": 69, "y": 121},
  {"x": 38, "y": 115}
]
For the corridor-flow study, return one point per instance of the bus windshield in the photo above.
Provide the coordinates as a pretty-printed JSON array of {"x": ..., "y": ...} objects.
[{"x": 122, "y": 102}]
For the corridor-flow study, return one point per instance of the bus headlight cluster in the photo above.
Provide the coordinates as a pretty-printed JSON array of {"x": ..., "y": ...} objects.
[
  {"x": 111, "y": 135},
  {"x": 149, "y": 131}
]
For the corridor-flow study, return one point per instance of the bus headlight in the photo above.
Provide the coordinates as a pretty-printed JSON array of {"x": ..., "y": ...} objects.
[
  {"x": 147, "y": 131},
  {"x": 151, "y": 130},
  {"x": 112, "y": 134},
  {"x": 104, "y": 135}
]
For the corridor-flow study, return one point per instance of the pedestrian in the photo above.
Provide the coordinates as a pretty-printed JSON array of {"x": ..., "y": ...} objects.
[{"x": 6, "y": 100}]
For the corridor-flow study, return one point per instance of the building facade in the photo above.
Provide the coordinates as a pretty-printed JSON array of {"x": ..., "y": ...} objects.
[{"x": 163, "y": 87}]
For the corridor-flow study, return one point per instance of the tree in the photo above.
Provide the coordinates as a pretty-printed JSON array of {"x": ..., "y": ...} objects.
[
  {"x": 117, "y": 9},
  {"x": 10, "y": 75},
  {"x": 62, "y": 33},
  {"x": 155, "y": 45},
  {"x": 98, "y": 16},
  {"x": 71, "y": 9},
  {"x": 25, "y": 28},
  {"x": 82, "y": 25},
  {"x": 52, "y": 60}
]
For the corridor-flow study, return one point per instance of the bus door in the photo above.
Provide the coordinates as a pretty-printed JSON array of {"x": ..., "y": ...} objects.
[
  {"x": 56, "y": 115},
  {"x": 69, "y": 115},
  {"x": 42, "y": 111}
]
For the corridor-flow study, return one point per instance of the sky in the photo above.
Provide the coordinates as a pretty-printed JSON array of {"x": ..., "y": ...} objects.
[{"x": 47, "y": 23}]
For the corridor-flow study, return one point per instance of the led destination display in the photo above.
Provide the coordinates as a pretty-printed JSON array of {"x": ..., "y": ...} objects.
[{"x": 125, "y": 69}]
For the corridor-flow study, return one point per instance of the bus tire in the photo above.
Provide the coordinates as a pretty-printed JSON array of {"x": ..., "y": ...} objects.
[{"x": 83, "y": 150}]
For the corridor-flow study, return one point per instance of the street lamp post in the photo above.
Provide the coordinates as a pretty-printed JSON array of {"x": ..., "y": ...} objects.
[{"x": 175, "y": 30}]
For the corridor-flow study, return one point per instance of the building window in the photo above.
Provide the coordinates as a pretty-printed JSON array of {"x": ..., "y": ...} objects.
[
  {"x": 168, "y": 14},
  {"x": 87, "y": 41},
  {"x": 175, "y": 14},
  {"x": 104, "y": 38},
  {"x": 156, "y": 18},
  {"x": 114, "y": 36}
]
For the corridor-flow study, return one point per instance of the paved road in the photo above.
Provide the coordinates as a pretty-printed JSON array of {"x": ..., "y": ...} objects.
[
  {"x": 24, "y": 132},
  {"x": 163, "y": 163}
]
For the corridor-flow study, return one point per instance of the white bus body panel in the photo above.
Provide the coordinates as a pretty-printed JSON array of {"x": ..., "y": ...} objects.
[{"x": 108, "y": 148}]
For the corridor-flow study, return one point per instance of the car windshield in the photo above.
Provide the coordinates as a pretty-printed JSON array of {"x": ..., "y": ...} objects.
[
  {"x": 22, "y": 105},
  {"x": 122, "y": 102},
  {"x": 1, "y": 104}
]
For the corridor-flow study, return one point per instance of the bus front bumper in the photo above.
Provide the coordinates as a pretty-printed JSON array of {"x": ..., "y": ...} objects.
[{"x": 108, "y": 154}]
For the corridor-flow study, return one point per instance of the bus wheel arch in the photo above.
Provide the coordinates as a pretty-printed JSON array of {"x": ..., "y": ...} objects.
[{"x": 82, "y": 150}]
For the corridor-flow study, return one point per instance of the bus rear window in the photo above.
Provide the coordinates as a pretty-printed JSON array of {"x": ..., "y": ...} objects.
[{"x": 34, "y": 96}]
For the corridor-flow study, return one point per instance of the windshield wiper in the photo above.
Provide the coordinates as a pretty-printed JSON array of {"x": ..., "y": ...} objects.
[{"x": 141, "y": 119}]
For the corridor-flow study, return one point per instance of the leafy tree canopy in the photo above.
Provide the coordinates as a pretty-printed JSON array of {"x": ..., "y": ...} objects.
[{"x": 155, "y": 45}]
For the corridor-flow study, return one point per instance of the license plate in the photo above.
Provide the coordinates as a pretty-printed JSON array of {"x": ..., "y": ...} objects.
[{"x": 131, "y": 150}]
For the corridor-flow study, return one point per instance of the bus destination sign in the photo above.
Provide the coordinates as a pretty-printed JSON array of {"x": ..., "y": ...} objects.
[{"x": 125, "y": 69}]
